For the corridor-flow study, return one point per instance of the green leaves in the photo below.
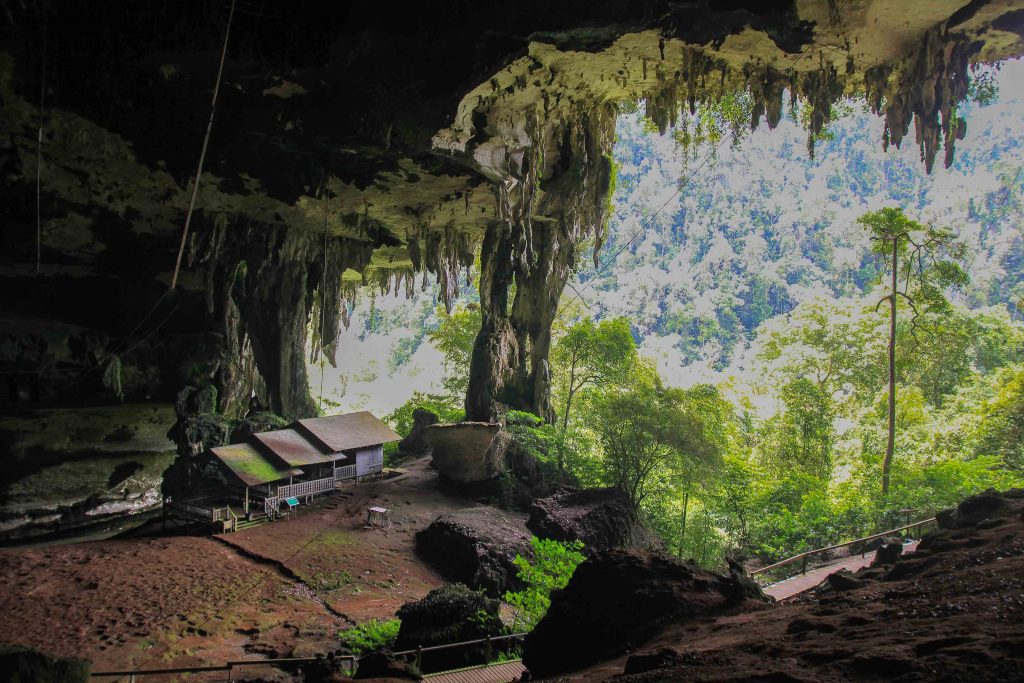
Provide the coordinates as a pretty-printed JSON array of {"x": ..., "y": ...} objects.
[
  {"x": 370, "y": 636},
  {"x": 552, "y": 566},
  {"x": 454, "y": 338}
]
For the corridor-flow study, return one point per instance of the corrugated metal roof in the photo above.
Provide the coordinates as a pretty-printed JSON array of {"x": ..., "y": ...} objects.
[
  {"x": 345, "y": 432},
  {"x": 248, "y": 465},
  {"x": 293, "y": 448},
  {"x": 506, "y": 672}
]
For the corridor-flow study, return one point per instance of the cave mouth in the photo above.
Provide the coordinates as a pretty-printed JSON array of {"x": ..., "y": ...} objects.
[{"x": 691, "y": 173}]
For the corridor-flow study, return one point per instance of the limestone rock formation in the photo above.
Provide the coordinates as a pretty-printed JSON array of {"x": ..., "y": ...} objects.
[
  {"x": 450, "y": 614},
  {"x": 414, "y": 443},
  {"x": 476, "y": 546},
  {"x": 467, "y": 452},
  {"x": 602, "y": 518},
  {"x": 953, "y": 606},
  {"x": 617, "y": 600},
  {"x": 322, "y": 178},
  {"x": 67, "y": 468}
]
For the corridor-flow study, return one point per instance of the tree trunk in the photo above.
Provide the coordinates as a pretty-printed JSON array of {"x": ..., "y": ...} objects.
[
  {"x": 682, "y": 530},
  {"x": 891, "y": 440},
  {"x": 568, "y": 405}
]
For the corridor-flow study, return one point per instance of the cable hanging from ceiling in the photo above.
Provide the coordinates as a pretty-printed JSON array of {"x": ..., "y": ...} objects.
[{"x": 202, "y": 153}]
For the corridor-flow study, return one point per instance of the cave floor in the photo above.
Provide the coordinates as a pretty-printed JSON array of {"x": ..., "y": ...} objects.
[{"x": 282, "y": 589}]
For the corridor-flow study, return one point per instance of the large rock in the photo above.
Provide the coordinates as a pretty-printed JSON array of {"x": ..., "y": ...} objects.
[
  {"x": 979, "y": 508},
  {"x": 467, "y": 452},
  {"x": 450, "y": 614},
  {"x": 602, "y": 518},
  {"x": 23, "y": 665},
  {"x": 617, "y": 600},
  {"x": 476, "y": 546},
  {"x": 414, "y": 443}
]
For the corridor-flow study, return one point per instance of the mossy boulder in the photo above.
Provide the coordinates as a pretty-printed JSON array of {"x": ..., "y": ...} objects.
[
  {"x": 22, "y": 665},
  {"x": 450, "y": 614}
]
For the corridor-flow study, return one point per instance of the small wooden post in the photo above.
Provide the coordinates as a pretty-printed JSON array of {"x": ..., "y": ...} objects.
[
  {"x": 419, "y": 658},
  {"x": 803, "y": 570},
  {"x": 246, "y": 501}
]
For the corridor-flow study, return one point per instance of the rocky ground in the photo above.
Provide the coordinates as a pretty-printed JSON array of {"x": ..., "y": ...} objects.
[
  {"x": 952, "y": 611},
  {"x": 75, "y": 469},
  {"x": 281, "y": 589}
]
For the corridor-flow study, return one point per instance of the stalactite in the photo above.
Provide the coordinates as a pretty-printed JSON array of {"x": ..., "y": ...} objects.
[
  {"x": 927, "y": 87},
  {"x": 264, "y": 307},
  {"x": 533, "y": 247},
  {"x": 821, "y": 88}
]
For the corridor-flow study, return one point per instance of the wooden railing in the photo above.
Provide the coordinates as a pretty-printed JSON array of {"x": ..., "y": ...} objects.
[
  {"x": 306, "y": 488},
  {"x": 205, "y": 513},
  {"x": 345, "y": 473},
  {"x": 352, "y": 660},
  {"x": 804, "y": 557}
]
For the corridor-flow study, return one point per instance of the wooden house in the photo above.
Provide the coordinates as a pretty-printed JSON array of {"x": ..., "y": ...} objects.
[{"x": 275, "y": 471}]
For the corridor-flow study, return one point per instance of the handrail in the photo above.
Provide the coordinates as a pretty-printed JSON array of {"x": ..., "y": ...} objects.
[
  {"x": 227, "y": 666},
  {"x": 464, "y": 643},
  {"x": 353, "y": 659},
  {"x": 880, "y": 534}
]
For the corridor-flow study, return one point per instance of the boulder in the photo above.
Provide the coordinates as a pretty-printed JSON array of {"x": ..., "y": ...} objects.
[
  {"x": 254, "y": 423},
  {"x": 602, "y": 518},
  {"x": 414, "y": 443},
  {"x": 888, "y": 554},
  {"x": 24, "y": 664},
  {"x": 467, "y": 452},
  {"x": 978, "y": 508},
  {"x": 617, "y": 600},
  {"x": 377, "y": 665},
  {"x": 450, "y": 614},
  {"x": 476, "y": 546}
]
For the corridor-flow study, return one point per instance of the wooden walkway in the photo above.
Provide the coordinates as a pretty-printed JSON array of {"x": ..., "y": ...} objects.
[
  {"x": 506, "y": 672},
  {"x": 804, "y": 582}
]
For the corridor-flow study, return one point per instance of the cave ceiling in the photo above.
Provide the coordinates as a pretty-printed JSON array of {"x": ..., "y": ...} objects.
[
  {"x": 407, "y": 115},
  {"x": 385, "y": 143}
]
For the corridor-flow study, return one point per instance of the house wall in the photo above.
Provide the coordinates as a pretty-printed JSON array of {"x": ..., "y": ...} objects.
[{"x": 369, "y": 460}]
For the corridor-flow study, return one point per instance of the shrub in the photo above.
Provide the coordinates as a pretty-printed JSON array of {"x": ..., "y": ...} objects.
[
  {"x": 553, "y": 565},
  {"x": 370, "y": 636}
]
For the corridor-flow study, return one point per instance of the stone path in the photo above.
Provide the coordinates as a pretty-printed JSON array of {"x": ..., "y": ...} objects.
[{"x": 803, "y": 582}]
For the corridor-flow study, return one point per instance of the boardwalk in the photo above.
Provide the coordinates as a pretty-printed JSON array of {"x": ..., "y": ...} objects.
[
  {"x": 506, "y": 672},
  {"x": 803, "y": 582}
]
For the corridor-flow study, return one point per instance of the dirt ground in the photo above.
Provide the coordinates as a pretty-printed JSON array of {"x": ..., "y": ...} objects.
[
  {"x": 282, "y": 589},
  {"x": 953, "y": 611}
]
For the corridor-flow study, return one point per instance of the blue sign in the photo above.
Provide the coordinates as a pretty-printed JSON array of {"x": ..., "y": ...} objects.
[{"x": 292, "y": 502}]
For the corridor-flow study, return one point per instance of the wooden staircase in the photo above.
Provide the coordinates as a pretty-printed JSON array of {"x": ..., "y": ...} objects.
[{"x": 258, "y": 519}]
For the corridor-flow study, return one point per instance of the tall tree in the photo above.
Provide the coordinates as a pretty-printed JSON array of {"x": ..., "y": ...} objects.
[
  {"x": 923, "y": 259},
  {"x": 454, "y": 338},
  {"x": 650, "y": 433},
  {"x": 590, "y": 355}
]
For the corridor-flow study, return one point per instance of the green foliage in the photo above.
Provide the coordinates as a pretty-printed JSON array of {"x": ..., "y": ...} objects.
[
  {"x": 444, "y": 407},
  {"x": 454, "y": 337},
  {"x": 648, "y": 432},
  {"x": 591, "y": 355},
  {"x": 800, "y": 436},
  {"x": 552, "y": 566},
  {"x": 562, "y": 454},
  {"x": 370, "y": 636}
]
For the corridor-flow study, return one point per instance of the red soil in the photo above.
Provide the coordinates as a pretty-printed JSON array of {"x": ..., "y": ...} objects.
[{"x": 176, "y": 601}]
